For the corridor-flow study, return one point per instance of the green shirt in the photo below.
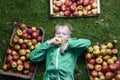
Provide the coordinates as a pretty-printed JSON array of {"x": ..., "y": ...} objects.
[{"x": 60, "y": 66}]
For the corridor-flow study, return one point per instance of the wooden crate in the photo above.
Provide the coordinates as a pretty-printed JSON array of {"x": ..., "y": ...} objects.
[
  {"x": 82, "y": 12},
  {"x": 9, "y": 72}
]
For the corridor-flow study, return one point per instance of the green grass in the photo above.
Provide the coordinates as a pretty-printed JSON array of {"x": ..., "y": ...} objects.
[{"x": 101, "y": 29}]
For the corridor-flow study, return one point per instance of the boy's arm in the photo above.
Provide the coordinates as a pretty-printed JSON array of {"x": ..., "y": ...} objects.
[
  {"x": 79, "y": 45},
  {"x": 40, "y": 52}
]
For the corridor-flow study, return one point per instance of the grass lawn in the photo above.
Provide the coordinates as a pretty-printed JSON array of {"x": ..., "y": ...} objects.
[{"x": 101, "y": 29}]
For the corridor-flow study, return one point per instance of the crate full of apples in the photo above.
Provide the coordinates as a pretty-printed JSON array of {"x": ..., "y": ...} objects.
[
  {"x": 103, "y": 62},
  {"x": 74, "y": 8},
  {"x": 23, "y": 40}
]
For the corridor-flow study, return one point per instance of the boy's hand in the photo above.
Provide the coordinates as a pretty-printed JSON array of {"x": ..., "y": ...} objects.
[{"x": 55, "y": 41}]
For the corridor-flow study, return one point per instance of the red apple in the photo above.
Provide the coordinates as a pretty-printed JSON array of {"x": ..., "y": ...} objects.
[
  {"x": 25, "y": 36},
  {"x": 15, "y": 57},
  {"x": 9, "y": 58},
  {"x": 29, "y": 30},
  {"x": 26, "y": 65},
  {"x": 73, "y": 7},
  {"x": 34, "y": 41},
  {"x": 58, "y": 3},
  {"x": 20, "y": 41},
  {"x": 92, "y": 61},
  {"x": 75, "y": 13},
  {"x": 91, "y": 1},
  {"x": 14, "y": 53},
  {"x": 114, "y": 51},
  {"x": 22, "y": 26},
  {"x": 117, "y": 77},
  {"x": 109, "y": 75},
  {"x": 103, "y": 51},
  {"x": 63, "y": 7},
  {"x": 24, "y": 46},
  {"x": 98, "y": 67},
  {"x": 105, "y": 69},
  {"x": 9, "y": 51},
  {"x": 79, "y": 2},
  {"x": 112, "y": 67},
  {"x": 67, "y": 13},
  {"x": 90, "y": 66},
  {"x": 118, "y": 64},
  {"x": 29, "y": 43},
  {"x": 68, "y": 3},
  {"x": 17, "y": 47},
  {"x": 86, "y": 2},
  {"x": 94, "y": 5},
  {"x": 94, "y": 73},
  {"x": 103, "y": 46},
  {"x": 56, "y": 9},
  {"x": 102, "y": 77},
  {"x": 27, "y": 56},
  {"x": 39, "y": 38},
  {"x": 35, "y": 34}
]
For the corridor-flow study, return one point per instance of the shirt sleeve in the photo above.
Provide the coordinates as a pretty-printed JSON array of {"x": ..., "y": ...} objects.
[
  {"x": 39, "y": 53},
  {"x": 79, "y": 45}
]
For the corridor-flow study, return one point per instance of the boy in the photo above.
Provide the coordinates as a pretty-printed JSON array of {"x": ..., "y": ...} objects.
[{"x": 61, "y": 53}]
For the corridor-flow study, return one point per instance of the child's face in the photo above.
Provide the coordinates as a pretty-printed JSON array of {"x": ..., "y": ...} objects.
[{"x": 63, "y": 33}]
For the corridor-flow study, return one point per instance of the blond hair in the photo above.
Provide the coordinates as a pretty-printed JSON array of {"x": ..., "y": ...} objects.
[{"x": 64, "y": 25}]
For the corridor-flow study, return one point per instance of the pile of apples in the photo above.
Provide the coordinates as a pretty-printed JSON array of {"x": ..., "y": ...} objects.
[
  {"x": 23, "y": 41},
  {"x": 74, "y": 8},
  {"x": 103, "y": 62}
]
